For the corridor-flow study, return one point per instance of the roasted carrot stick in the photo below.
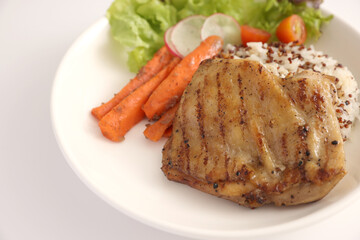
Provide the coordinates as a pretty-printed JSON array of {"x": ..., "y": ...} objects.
[
  {"x": 155, "y": 131},
  {"x": 116, "y": 123},
  {"x": 168, "y": 132},
  {"x": 170, "y": 90},
  {"x": 160, "y": 59}
]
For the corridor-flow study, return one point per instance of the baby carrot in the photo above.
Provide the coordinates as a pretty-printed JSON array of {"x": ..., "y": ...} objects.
[
  {"x": 116, "y": 123},
  {"x": 171, "y": 89},
  {"x": 160, "y": 59},
  {"x": 155, "y": 131},
  {"x": 168, "y": 132}
]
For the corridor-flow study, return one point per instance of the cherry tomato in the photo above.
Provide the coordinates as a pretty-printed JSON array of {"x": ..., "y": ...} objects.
[
  {"x": 292, "y": 29},
  {"x": 250, "y": 34}
]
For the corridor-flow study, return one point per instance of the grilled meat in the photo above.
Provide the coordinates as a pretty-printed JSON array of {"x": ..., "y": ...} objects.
[{"x": 243, "y": 134}]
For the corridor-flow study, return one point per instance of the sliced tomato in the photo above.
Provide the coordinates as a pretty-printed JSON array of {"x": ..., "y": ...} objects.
[
  {"x": 250, "y": 34},
  {"x": 292, "y": 29}
]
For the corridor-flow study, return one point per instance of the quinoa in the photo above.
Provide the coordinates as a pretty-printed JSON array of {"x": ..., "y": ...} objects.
[{"x": 286, "y": 59}]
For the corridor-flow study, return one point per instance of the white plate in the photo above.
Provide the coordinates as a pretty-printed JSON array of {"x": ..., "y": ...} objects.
[{"x": 128, "y": 175}]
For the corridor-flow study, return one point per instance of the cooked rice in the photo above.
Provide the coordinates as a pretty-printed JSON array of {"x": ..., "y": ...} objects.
[{"x": 284, "y": 59}]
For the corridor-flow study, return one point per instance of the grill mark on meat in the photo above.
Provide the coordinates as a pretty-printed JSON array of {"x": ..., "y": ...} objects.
[
  {"x": 303, "y": 131},
  {"x": 261, "y": 87},
  {"x": 200, "y": 120},
  {"x": 175, "y": 153},
  {"x": 221, "y": 114},
  {"x": 168, "y": 157},
  {"x": 259, "y": 139},
  {"x": 303, "y": 148},
  {"x": 246, "y": 122},
  {"x": 250, "y": 178},
  {"x": 285, "y": 151},
  {"x": 262, "y": 94},
  {"x": 185, "y": 142},
  {"x": 301, "y": 94},
  {"x": 242, "y": 111},
  {"x": 318, "y": 101},
  {"x": 327, "y": 144},
  {"x": 181, "y": 153}
]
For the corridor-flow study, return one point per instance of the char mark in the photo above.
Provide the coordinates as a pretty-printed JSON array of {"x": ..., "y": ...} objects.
[
  {"x": 200, "y": 120},
  {"x": 301, "y": 95},
  {"x": 242, "y": 111},
  {"x": 221, "y": 114},
  {"x": 284, "y": 145},
  {"x": 183, "y": 156},
  {"x": 318, "y": 101}
]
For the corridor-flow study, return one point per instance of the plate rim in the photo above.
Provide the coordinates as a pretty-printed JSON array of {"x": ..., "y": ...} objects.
[{"x": 175, "y": 228}]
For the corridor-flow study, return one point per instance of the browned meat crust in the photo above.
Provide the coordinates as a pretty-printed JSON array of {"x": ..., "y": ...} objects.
[{"x": 245, "y": 135}]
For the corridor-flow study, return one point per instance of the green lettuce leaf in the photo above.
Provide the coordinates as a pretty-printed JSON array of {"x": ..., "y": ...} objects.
[
  {"x": 263, "y": 14},
  {"x": 139, "y": 25}
]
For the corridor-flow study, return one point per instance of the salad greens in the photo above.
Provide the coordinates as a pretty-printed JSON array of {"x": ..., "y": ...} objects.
[{"x": 139, "y": 25}]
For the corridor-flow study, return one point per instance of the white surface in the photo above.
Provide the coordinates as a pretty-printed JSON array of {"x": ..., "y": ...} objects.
[
  {"x": 123, "y": 173},
  {"x": 40, "y": 196}
]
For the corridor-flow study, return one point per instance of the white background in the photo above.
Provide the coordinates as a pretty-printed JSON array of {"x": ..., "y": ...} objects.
[{"x": 40, "y": 196}]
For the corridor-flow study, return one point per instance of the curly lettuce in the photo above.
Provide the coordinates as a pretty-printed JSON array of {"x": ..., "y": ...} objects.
[
  {"x": 139, "y": 25},
  {"x": 263, "y": 14}
]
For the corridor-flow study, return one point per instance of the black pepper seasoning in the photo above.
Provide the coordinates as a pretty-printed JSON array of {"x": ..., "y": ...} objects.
[{"x": 215, "y": 185}]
